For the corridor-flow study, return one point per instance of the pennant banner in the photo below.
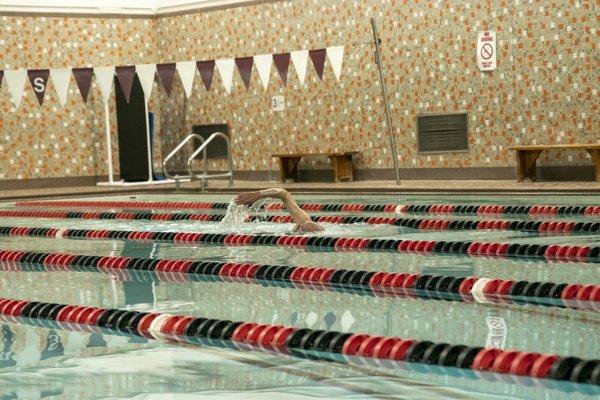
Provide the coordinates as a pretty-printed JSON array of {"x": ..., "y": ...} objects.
[
  {"x": 60, "y": 79},
  {"x": 300, "y": 60},
  {"x": 263, "y": 64},
  {"x": 125, "y": 76},
  {"x": 15, "y": 80},
  {"x": 335, "y": 55},
  {"x": 145, "y": 73},
  {"x": 39, "y": 81},
  {"x": 166, "y": 73},
  {"x": 104, "y": 78},
  {"x": 225, "y": 68},
  {"x": 318, "y": 59},
  {"x": 83, "y": 78},
  {"x": 244, "y": 65},
  {"x": 282, "y": 62},
  {"x": 186, "y": 70},
  {"x": 207, "y": 70}
]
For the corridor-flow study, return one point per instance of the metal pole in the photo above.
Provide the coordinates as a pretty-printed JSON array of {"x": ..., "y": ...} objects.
[
  {"x": 149, "y": 146},
  {"x": 108, "y": 142},
  {"x": 385, "y": 101}
]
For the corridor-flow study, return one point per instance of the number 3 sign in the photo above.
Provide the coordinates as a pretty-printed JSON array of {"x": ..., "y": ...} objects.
[{"x": 278, "y": 103}]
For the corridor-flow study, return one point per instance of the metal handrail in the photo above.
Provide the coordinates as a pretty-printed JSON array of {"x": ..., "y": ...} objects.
[
  {"x": 177, "y": 177},
  {"x": 205, "y": 176}
]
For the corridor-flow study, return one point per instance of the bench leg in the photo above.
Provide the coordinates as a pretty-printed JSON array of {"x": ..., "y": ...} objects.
[
  {"x": 526, "y": 164},
  {"x": 342, "y": 168},
  {"x": 595, "y": 153}
]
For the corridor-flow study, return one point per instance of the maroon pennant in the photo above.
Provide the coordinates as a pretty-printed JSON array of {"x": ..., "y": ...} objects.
[
  {"x": 83, "y": 77},
  {"x": 244, "y": 65},
  {"x": 282, "y": 62},
  {"x": 166, "y": 72},
  {"x": 1, "y": 76},
  {"x": 125, "y": 77},
  {"x": 207, "y": 70},
  {"x": 318, "y": 59},
  {"x": 39, "y": 81}
]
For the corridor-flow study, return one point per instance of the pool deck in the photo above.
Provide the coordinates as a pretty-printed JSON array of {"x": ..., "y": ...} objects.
[{"x": 365, "y": 187}]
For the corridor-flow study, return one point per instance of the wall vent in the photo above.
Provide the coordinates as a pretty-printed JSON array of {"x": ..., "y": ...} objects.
[{"x": 438, "y": 133}]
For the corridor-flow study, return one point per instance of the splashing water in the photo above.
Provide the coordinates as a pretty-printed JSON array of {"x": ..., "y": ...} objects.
[
  {"x": 238, "y": 214},
  {"x": 235, "y": 216}
]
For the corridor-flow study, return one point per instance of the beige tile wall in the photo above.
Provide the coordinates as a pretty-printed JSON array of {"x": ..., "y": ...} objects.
[{"x": 544, "y": 90}]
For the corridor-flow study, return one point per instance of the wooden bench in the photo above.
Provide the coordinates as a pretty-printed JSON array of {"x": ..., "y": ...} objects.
[
  {"x": 528, "y": 155},
  {"x": 341, "y": 162}
]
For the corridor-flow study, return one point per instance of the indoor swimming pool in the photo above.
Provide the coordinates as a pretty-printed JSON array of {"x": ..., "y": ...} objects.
[{"x": 153, "y": 296}]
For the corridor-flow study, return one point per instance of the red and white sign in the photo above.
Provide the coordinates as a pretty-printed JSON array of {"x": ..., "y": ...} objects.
[{"x": 486, "y": 50}]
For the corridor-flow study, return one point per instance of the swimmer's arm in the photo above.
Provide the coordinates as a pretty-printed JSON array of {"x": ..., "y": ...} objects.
[{"x": 300, "y": 217}]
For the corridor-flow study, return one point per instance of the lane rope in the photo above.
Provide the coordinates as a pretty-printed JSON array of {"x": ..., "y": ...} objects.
[
  {"x": 539, "y": 210},
  {"x": 551, "y": 252},
  {"x": 367, "y": 283},
  {"x": 300, "y": 342},
  {"x": 542, "y": 227}
]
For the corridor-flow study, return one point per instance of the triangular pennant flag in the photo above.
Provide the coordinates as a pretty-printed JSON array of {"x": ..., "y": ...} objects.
[
  {"x": 125, "y": 77},
  {"x": 263, "y": 66},
  {"x": 15, "y": 79},
  {"x": 318, "y": 59},
  {"x": 282, "y": 62},
  {"x": 145, "y": 73},
  {"x": 225, "y": 68},
  {"x": 60, "y": 78},
  {"x": 83, "y": 78},
  {"x": 186, "y": 70},
  {"x": 105, "y": 77},
  {"x": 1, "y": 76},
  {"x": 335, "y": 55},
  {"x": 244, "y": 65},
  {"x": 207, "y": 70},
  {"x": 166, "y": 72},
  {"x": 39, "y": 81},
  {"x": 300, "y": 60}
]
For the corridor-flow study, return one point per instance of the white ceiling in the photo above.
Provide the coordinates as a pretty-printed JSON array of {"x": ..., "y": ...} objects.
[{"x": 125, "y": 7}]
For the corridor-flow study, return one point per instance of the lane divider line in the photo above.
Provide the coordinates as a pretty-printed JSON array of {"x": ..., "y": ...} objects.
[
  {"x": 368, "y": 283},
  {"x": 542, "y": 227},
  {"x": 551, "y": 252},
  {"x": 480, "y": 209},
  {"x": 300, "y": 342}
]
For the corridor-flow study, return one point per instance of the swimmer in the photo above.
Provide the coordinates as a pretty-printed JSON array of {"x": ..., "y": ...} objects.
[{"x": 301, "y": 218}]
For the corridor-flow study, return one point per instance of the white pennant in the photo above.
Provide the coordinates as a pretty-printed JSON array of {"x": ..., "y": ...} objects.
[
  {"x": 263, "y": 64},
  {"x": 145, "y": 73},
  {"x": 105, "y": 77},
  {"x": 15, "y": 79},
  {"x": 300, "y": 60},
  {"x": 336, "y": 57},
  {"x": 225, "y": 68},
  {"x": 60, "y": 79},
  {"x": 187, "y": 70}
]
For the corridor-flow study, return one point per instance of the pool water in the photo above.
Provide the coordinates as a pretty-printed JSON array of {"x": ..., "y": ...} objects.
[{"x": 38, "y": 362}]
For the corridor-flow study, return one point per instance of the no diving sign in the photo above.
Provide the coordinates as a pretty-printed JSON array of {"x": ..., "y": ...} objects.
[{"x": 486, "y": 51}]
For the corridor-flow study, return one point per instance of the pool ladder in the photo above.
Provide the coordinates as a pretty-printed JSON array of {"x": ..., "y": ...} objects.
[{"x": 203, "y": 177}]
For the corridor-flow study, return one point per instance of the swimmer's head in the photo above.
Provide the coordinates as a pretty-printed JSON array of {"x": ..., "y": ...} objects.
[{"x": 309, "y": 226}]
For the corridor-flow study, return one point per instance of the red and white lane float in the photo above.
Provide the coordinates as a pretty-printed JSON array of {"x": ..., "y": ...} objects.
[
  {"x": 370, "y": 283},
  {"x": 542, "y": 227},
  {"x": 552, "y": 252},
  {"x": 301, "y": 342},
  {"x": 455, "y": 209}
]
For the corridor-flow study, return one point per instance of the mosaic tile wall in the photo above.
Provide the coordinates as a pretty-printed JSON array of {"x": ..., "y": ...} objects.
[
  {"x": 544, "y": 90},
  {"x": 51, "y": 140}
]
